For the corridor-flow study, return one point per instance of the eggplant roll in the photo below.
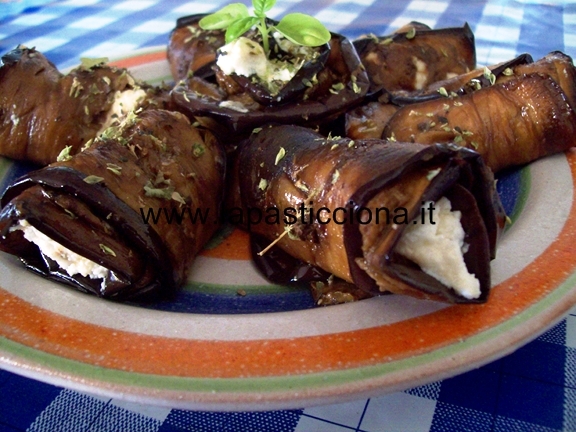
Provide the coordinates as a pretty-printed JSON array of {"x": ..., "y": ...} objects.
[
  {"x": 559, "y": 66},
  {"x": 556, "y": 64},
  {"x": 297, "y": 85},
  {"x": 192, "y": 50},
  {"x": 414, "y": 57},
  {"x": 43, "y": 111},
  {"x": 362, "y": 211},
  {"x": 103, "y": 220},
  {"x": 512, "y": 123},
  {"x": 369, "y": 120},
  {"x": 462, "y": 84}
]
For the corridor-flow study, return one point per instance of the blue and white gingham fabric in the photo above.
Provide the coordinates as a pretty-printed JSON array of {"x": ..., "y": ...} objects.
[{"x": 533, "y": 389}]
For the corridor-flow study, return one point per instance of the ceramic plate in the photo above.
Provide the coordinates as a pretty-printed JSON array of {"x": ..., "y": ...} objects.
[{"x": 233, "y": 341}]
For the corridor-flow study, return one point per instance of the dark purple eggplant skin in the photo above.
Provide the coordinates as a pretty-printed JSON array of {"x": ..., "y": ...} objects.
[
  {"x": 103, "y": 202},
  {"x": 281, "y": 268},
  {"x": 369, "y": 120},
  {"x": 376, "y": 164},
  {"x": 389, "y": 60},
  {"x": 343, "y": 65},
  {"x": 466, "y": 171},
  {"x": 155, "y": 160},
  {"x": 560, "y": 67}
]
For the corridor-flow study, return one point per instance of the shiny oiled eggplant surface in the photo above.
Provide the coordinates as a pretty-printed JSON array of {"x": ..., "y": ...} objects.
[
  {"x": 512, "y": 123},
  {"x": 43, "y": 111},
  {"x": 414, "y": 57},
  {"x": 322, "y": 89},
  {"x": 100, "y": 204},
  {"x": 286, "y": 169}
]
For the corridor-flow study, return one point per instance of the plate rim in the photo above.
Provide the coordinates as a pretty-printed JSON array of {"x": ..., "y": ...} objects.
[{"x": 15, "y": 356}]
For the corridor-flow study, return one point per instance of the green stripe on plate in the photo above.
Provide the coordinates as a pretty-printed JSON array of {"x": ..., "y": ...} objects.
[
  {"x": 282, "y": 383},
  {"x": 211, "y": 288}
]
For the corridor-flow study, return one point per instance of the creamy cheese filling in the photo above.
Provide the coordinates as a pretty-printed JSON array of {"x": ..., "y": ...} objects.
[
  {"x": 247, "y": 58},
  {"x": 69, "y": 261},
  {"x": 234, "y": 105},
  {"x": 439, "y": 248},
  {"x": 124, "y": 102},
  {"x": 421, "y": 76}
]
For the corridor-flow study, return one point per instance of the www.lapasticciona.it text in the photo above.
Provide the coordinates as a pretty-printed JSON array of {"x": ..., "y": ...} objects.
[{"x": 302, "y": 214}]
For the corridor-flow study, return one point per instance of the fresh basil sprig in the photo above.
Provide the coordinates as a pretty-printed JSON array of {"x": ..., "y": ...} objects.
[{"x": 298, "y": 28}]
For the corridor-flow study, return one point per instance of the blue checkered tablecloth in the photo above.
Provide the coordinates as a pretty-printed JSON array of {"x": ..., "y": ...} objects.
[{"x": 532, "y": 389}]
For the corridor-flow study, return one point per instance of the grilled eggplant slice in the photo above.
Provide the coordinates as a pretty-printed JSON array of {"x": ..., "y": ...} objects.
[
  {"x": 512, "y": 123},
  {"x": 557, "y": 65},
  {"x": 462, "y": 84},
  {"x": 414, "y": 57},
  {"x": 343, "y": 207},
  {"x": 368, "y": 121},
  {"x": 192, "y": 51},
  {"x": 43, "y": 111},
  {"x": 323, "y": 88},
  {"x": 101, "y": 221}
]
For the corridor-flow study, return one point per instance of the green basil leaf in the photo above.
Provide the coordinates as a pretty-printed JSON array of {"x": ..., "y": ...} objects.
[
  {"x": 224, "y": 17},
  {"x": 303, "y": 29},
  {"x": 262, "y": 6},
  {"x": 238, "y": 28}
]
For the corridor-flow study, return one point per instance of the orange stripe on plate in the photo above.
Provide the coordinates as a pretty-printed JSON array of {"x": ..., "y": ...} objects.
[
  {"x": 65, "y": 337},
  {"x": 234, "y": 247},
  {"x": 139, "y": 60}
]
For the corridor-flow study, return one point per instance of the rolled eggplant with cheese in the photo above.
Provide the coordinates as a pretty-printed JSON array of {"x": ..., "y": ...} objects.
[
  {"x": 510, "y": 123},
  {"x": 238, "y": 86},
  {"x": 43, "y": 111},
  {"x": 118, "y": 219},
  {"x": 557, "y": 65},
  {"x": 459, "y": 85},
  {"x": 387, "y": 217},
  {"x": 416, "y": 56},
  {"x": 370, "y": 119}
]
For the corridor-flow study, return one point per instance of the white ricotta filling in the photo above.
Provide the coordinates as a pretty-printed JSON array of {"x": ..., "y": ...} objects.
[
  {"x": 247, "y": 58},
  {"x": 124, "y": 102},
  {"x": 439, "y": 248},
  {"x": 234, "y": 105},
  {"x": 421, "y": 76},
  {"x": 69, "y": 261}
]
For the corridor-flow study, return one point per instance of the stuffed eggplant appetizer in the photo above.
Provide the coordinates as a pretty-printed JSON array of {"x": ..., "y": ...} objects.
[
  {"x": 264, "y": 73},
  {"x": 369, "y": 120},
  {"x": 43, "y": 111},
  {"x": 405, "y": 218},
  {"x": 524, "y": 113},
  {"x": 415, "y": 56},
  {"x": 85, "y": 221}
]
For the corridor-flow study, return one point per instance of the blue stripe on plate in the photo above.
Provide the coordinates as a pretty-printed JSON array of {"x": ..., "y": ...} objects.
[{"x": 222, "y": 303}]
